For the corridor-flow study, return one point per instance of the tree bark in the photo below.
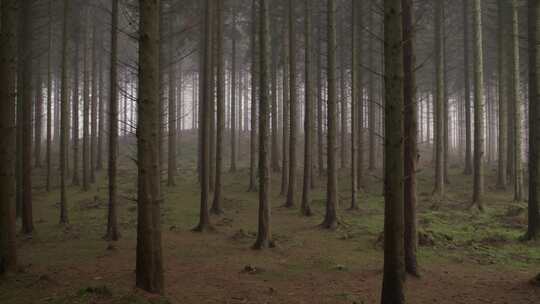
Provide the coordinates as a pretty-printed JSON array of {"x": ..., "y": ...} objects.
[
  {"x": 204, "y": 119},
  {"x": 94, "y": 102},
  {"x": 411, "y": 137},
  {"x": 253, "y": 120},
  {"x": 478, "y": 64},
  {"x": 439, "y": 190},
  {"x": 64, "y": 117},
  {"x": 217, "y": 202},
  {"x": 234, "y": 122},
  {"x": 330, "y": 218},
  {"x": 291, "y": 189},
  {"x": 308, "y": 115},
  {"x": 149, "y": 270},
  {"x": 516, "y": 80},
  {"x": 286, "y": 117},
  {"x": 503, "y": 115},
  {"x": 533, "y": 229},
  {"x": 112, "y": 218},
  {"x": 172, "y": 115},
  {"x": 8, "y": 70},
  {"x": 356, "y": 103},
  {"x": 264, "y": 236},
  {"x": 466, "y": 78},
  {"x": 86, "y": 107},
  {"x": 394, "y": 269}
]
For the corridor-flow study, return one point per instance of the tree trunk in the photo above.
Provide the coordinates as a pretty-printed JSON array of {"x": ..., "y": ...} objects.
[
  {"x": 503, "y": 115},
  {"x": 26, "y": 123},
  {"x": 533, "y": 229},
  {"x": 291, "y": 189},
  {"x": 330, "y": 218},
  {"x": 394, "y": 269},
  {"x": 204, "y": 119},
  {"x": 8, "y": 70},
  {"x": 264, "y": 236},
  {"x": 411, "y": 137},
  {"x": 221, "y": 106},
  {"x": 466, "y": 78},
  {"x": 286, "y": 116},
  {"x": 64, "y": 117},
  {"x": 478, "y": 64},
  {"x": 517, "y": 144},
  {"x": 149, "y": 271},
  {"x": 371, "y": 94},
  {"x": 112, "y": 218},
  {"x": 308, "y": 115},
  {"x": 320, "y": 131},
  {"x": 94, "y": 103},
  {"x": 234, "y": 123},
  {"x": 356, "y": 103},
  {"x": 38, "y": 112},
  {"x": 75, "y": 102},
  {"x": 253, "y": 122},
  {"x": 49, "y": 103},
  {"x": 439, "y": 190},
  {"x": 86, "y": 107},
  {"x": 171, "y": 157}
]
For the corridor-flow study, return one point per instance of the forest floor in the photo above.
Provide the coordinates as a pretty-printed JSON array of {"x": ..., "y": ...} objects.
[{"x": 465, "y": 256}]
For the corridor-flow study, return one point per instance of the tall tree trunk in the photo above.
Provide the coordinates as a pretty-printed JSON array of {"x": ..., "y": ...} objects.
[
  {"x": 533, "y": 229},
  {"x": 234, "y": 123},
  {"x": 478, "y": 63},
  {"x": 173, "y": 117},
  {"x": 439, "y": 190},
  {"x": 308, "y": 116},
  {"x": 356, "y": 102},
  {"x": 503, "y": 115},
  {"x": 101, "y": 114},
  {"x": 75, "y": 102},
  {"x": 466, "y": 78},
  {"x": 49, "y": 103},
  {"x": 86, "y": 107},
  {"x": 8, "y": 70},
  {"x": 342, "y": 100},
  {"x": 371, "y": 92},
  {"x": 291, "y": 189},
  {"x": 394, "y": 268},
  {"x": 94, "y": 103},
  {"x": 204, "y": 119},
  {"x": 516, "y": 94},
  {"x": 411, "y": 137},
  {"x": 221, "y": 106},
  {"x": 26, "y": 122},
  {"x": 149, "y": 270},
  {"x": 64, "y": 117},
  {"x": 264, "y": 236},
  {"x": 286, "y": 115},
  {"x": 112, "y": 219},
  {"x": 253, "y": 131},
  {"x": 275, "y": 155},
  {"x": 320, "y": 131},
  {"x": 38, "y": 112},
  {"x": 330, "y": 218}
]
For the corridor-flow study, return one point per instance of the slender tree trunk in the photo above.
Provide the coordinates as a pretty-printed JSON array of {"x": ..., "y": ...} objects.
[
  {"x": 112, "y": 219},
  {"x": 394, "y": 268},
  {"x": 356, "y": 102},
  {"x": 234, "y": 124},
  {"x": 253, "y": 131},
  {"x": 94, "y": 103},
  {"x": 518, "y": 115},
  {"x": 478, "y": 63},
  {"x": 411, "y": 137},
  {"x": 149, "y": 270},
  {"x": 466, "y": 78},
  {"x": 171, "y": 157},
  {"x": 308, "y": 115},
  {"x": 75, "y": 102},
  {"x": 264, "y": 236},
  {"x": 503, "y": 115},
  {"x": 26, "y": 122},
  {"x": 101, "y": 113},
  {"x": 286, "y": 116},
  {"x": 275, "y": 157},
  {"x": 204, "y": 119},
  {"x": 49, "y": 103},
  {"x": 371, "y": 92},
  {"x": 330, "y": 218},
  {"x": 291, "y": 189},
  {"x": 320, "y": 131},
  {"x": 64, "y": 117},
  {"x": 86, "y": 107},
  {"x": 343, "y": 101},
  {"x": 533, "y": 230},
  {"x": 38, "y": 121},
  {"x": 439, "y": 190},
  {"x": 221, "y": 106},
  {"x": 8, "y": 70}
]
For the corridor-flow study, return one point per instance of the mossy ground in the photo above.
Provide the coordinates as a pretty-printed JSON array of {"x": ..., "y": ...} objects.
[{"x": 469, "y": 256}]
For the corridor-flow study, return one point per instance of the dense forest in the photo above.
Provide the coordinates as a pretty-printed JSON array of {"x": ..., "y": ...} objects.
[{"x": 269, "y": 151}]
